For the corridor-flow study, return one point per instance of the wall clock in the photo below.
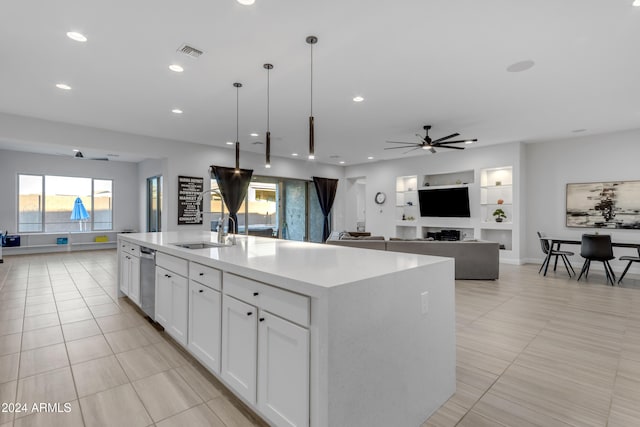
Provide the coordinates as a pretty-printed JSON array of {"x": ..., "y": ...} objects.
[{"x": 380, "y": 198}]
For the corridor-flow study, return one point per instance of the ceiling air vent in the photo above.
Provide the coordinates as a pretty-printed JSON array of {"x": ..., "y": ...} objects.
[{"x": 190, "y": 51}]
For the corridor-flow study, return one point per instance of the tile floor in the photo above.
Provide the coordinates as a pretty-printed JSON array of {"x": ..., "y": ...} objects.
[
  {"x": 531, "y": 351},
  {"x": 65, "y": 337}
]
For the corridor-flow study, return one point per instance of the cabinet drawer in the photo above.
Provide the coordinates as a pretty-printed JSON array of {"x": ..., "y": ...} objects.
[
  {"x": 205, "y": 275},
  {"x": 130, "y": 248},
  {"x": 177, "y": 265},
  {"x": 283, "y": 303}
]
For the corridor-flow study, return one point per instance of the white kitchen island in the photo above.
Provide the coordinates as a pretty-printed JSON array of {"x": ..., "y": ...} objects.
[{"x": 309, "y": 334}]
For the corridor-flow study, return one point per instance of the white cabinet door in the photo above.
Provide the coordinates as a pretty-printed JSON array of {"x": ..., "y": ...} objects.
[
  {"x": 283, "y": 371},
  {"x": 239, "y": 346},
  {"x": 124, "y": 266},
  {"x": 205, "y": 306},
  {"x": 179, "y": 308},
  {"x": 163, "y": 296},
  {"x": 134, "y": 279}
]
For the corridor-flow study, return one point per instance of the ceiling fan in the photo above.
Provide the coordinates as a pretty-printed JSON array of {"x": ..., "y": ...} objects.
[
  {"x": 79, "y": 155},
  {"x": 429, "y": 144}
]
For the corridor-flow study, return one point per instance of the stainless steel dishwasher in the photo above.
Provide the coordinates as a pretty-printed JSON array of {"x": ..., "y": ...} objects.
[{"x": 148, "y": 281}]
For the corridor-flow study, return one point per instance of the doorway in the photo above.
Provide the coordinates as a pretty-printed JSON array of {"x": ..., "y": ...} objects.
[{"x": 154, "y": 204}]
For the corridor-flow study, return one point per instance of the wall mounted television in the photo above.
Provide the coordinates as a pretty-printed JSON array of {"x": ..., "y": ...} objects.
[{"x": 445, "y": 202}]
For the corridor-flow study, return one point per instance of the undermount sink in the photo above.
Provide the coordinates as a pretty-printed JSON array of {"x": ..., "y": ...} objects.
[{"x": 200, "y": 245}]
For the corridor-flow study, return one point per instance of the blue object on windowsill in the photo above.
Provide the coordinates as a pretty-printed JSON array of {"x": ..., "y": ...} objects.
[{"x": 62, "y": 240}]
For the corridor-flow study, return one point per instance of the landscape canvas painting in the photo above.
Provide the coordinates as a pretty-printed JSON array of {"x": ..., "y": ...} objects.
[{"x": 604, "y": 205}]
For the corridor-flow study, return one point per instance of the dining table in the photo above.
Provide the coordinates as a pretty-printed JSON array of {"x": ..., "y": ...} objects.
[{"x": 555, "y": 242}]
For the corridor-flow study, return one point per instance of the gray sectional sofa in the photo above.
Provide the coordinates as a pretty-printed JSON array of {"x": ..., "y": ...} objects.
[{"x": 479, "y": 260}]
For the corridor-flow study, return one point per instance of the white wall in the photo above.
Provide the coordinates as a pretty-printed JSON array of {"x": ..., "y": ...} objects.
[
  {"x": 194, "y": 160},
  {"x": 172, "y": 159},
  {"x": 552, "y": 165},
  {"x": 381, "y": 176},
  {"x": 123, "y": 174}
]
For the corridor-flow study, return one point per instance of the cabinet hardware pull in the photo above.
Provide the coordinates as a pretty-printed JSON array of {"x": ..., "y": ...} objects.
[
  {"x": 167, "y": 275},
  {"x": 201, "y": 274},
  {"x": 262, "y": 319},
  {"x": 249, "y": 313},
  {"x": 255, "y": 294},
  {"x": 201, "y": 290}
]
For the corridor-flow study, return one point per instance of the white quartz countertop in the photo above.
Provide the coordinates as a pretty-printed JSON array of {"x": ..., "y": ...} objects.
[{"x": 309, "y": 268}]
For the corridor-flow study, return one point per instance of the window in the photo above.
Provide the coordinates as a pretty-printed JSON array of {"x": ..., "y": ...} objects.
[
  {"x": 61, "y": 204},
  {"x": 30, "y": 203},
  {"x": 278, "y": 207}
]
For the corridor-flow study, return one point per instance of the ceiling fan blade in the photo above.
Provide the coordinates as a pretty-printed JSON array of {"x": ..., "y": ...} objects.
[
  {"x": 452, "y": 147},
  {"x": 417, "y": 148},
  {"x": 458, "y": 142},
  {"x": 400, "y": 142},
  {"x": 403, "y": 147},
  {"x": 422, "y": 138},
  {"x": 446, "y": 137}
]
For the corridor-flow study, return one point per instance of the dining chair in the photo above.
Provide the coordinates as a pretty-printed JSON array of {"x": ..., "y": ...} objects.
[
  {"x": 631, "y": 260},
  {"x": 597, "y": 247},
  {"x": 549, "y": 252}
]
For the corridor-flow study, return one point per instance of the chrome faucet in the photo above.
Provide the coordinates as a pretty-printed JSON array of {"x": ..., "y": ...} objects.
[
  {"x": 220, "y": 227},
  {"x": 199, "y": 200}
]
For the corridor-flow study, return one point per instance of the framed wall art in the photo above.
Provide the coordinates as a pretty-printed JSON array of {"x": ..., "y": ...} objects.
[{"x": 614, "y": 204}]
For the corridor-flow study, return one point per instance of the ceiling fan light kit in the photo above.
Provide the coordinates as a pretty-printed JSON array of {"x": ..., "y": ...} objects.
[{"x": 429, "y": 144}]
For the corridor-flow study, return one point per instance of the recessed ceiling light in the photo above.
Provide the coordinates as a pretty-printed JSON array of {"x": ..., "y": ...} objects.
[
  {"x": 76, "y": 36},
  {"x": 294, "y": 154},
  {"x": 267, "y": 166},
  {"x": 176, "y": 111},
  {"x": 370, "y": 158},
  {"x": 342, "y": 162},
  {"x": 246, "y": 2},
  {"x": 521, "y": 66},
  {"x": 176, "y": 68},
  {"x": 358, "y": 99},
  {"x": 63, "y": 86},
  {"x": 75, "y": 150},
  {"x": 312, "y": 157},
  {"x": 254, "y": 134},
  {"x": 636, "y": 3},
  {"x": 229, "y": 143}
]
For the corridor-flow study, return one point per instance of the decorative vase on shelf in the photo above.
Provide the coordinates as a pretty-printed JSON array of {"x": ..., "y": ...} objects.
[
  {"x": 500, "y": 201},
  {"x": 498, "y": 219}
]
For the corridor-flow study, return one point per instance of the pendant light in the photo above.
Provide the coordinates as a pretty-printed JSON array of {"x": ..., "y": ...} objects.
[
  {"x": 267, "y": 165},
  {"x": 237, "y": 86},
  {"x": 311, "y": 40}
]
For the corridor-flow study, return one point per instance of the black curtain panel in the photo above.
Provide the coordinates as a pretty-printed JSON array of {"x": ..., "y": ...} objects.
[
  {"x": 326, "y": 189},
  {"x": 233, "y": 187}
]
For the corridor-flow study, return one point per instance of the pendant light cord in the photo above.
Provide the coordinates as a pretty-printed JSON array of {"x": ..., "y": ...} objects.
[
  {"x": 268, "y": 92},
  {"x": 311, "y": 79},
  {"x": 237, "y": 113}
]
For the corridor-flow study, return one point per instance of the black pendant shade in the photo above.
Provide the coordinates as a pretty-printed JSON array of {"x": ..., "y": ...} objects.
[
  {"x": 311, "y": 40},
  {"x": 233, "y": 185},
  {"x": 267, "y": 164},
  {"x": 237, "y": 86}
]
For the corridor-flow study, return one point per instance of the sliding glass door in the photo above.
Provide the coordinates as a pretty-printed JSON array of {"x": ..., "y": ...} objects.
[{"x": 277, "y": 207}]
